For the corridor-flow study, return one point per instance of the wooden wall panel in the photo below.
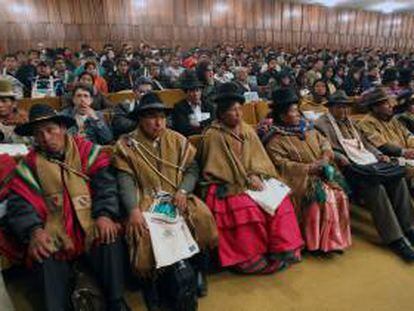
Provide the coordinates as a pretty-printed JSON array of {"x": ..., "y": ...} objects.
[{"x": 26, "y": 23}]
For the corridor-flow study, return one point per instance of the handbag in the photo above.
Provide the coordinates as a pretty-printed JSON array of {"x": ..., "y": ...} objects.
[
  {"x": 376, "y": 173},
  {"x": 178, "y": 282}
]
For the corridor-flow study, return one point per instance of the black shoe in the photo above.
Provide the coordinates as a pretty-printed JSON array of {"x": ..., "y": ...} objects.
[
  {"x": 119, "y": 305},
  {"x": 151, "y": 296},
  {"x": 410, "y": 236},
  {"x": 201, "y": 284},
  {"x": 402, "y": 249}
]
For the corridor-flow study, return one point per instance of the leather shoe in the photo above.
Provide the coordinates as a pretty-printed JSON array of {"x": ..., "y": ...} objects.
[
  {"x": 201, "y": 284},
  {"x": 402, "y": 249}
]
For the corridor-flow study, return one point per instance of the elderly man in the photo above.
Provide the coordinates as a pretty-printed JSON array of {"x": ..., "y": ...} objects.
[
  {"x": 90, "y": 123},
  {"x": 63, "y": 207},
  {"x": 191, "y": 115},
  {"x": 124, "y": 119},
  {"x": 151, "y": 161},
  {"x": 10, "y": 115},
  {"x": 380, "y": 183},
  {"x": 384, "y": 131}
]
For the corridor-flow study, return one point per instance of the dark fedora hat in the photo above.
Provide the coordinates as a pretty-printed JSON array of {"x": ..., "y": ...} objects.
[
  {"x": 150, "y": 101},
  {"x": 339, "y": 98},
  {"x": 406, "y": 75},
  {"x": 376, "y": 96},
  {"x": 40, "y": 113},
  {"x": 229, "y": 92},
  {"x": 390, "y": 74},
  {"x": 189, "y": 81}
]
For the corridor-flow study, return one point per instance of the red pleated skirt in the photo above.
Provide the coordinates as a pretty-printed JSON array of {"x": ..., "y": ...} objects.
[{"x": 247, "y": 234}]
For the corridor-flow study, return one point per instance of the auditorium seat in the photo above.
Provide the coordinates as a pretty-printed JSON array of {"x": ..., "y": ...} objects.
[
  {"x": 27, "y": 103},
  {"x": 262, "y": 110},
  {"x": 117, "y": 98},
  {"x": 249, "y": 113},
  {"x": 171, "y": 96},
  {"x": 195, "y": 140}
]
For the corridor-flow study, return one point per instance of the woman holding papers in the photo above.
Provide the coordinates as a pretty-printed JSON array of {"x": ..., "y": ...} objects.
[
  {"x": 303, "y": 157},
  {"x": 234, "y": 161}
]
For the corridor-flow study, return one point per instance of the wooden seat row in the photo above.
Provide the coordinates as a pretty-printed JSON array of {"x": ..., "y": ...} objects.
[{"x": 170, "y": 97}]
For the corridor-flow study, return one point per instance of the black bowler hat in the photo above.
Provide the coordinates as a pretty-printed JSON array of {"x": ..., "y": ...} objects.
[
  {"x": 285, "y": 96},
  {"x": 229, "y": 92},
  {"x": 282, "y": 99},
  {"x": 40, "y": 113},
  {"x": 339, "y": 98}
]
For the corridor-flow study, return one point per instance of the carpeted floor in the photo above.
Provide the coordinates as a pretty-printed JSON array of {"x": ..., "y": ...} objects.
[{"x": 367, "y": 277}]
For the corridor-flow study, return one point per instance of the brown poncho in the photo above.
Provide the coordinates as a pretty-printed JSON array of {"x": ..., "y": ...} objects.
[
  {"x": 292, "y": 156},
  {"x": 227, "y": 158},
  {"x": 161, "y": 169}
]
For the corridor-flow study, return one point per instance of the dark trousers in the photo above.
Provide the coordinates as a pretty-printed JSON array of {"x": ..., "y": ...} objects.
[
  {"x": 391, "y": 208},
  {"x": 55, "y": 278}
]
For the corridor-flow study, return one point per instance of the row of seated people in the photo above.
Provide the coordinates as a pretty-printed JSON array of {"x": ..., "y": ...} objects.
[{"x": 67, "y": 199}]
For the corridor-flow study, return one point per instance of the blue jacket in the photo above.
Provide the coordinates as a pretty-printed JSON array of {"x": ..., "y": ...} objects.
[{"x": 96, "y": 131}]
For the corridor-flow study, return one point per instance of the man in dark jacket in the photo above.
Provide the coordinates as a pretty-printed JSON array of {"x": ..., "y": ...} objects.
[
  {"x": 387, "y": 196},
  {"x": 63, "y": 207},
  {"x": 191, "y": 115},
  {"x": 124, "y": 119}
]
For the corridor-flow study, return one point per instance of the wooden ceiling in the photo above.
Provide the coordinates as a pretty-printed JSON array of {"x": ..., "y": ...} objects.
[{"x": 26, "y": 23}]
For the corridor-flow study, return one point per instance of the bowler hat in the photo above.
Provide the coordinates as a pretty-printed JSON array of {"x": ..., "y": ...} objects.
[{"x": 227, "y": 92}]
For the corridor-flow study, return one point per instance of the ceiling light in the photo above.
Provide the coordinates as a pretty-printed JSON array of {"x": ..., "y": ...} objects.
[
  {"x": 221, "y": 7},
  {"x": 139, "y": 4},
  {"x": 345, "y": 17},
  {"x": 19, "y": 8},
  {"x": 388, "y": 6},
  {"x": 329, "y": 3}
]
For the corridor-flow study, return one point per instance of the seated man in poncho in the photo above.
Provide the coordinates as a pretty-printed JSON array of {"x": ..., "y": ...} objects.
[
  {"x": 150, "y": 161},
  {"x": 63, "y": 208}
]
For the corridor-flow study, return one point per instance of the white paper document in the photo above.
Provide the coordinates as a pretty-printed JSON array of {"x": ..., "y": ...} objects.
[
  {"x": 171, "y": 241},
  {"x": 14, "y": 149},
  {"x": 270, "y": 198}
]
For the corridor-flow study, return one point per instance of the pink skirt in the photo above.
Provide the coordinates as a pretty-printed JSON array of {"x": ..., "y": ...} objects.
[
  {"x": 247, "y": 234},
  {"x": 327, "y": 226}
]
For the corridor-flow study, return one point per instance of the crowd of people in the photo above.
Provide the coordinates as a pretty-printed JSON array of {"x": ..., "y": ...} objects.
[{"x": 192, "y": 187}]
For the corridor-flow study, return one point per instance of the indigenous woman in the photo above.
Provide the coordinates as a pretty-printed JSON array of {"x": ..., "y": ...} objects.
[
  {"x": 303, "y": 158},
  {"x": 233, "y": 160}
]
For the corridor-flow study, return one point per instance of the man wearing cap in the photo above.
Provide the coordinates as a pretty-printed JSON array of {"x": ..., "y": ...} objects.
[
  {"x": 124, "y": 119},
  {"x": 45, "y": 84},
  {"x": 63, "y": 207},
  {"x": 380, "y": 183},
  {"x": 383, "y": 131},
  {"x": 150, "y": 161},
  {"x": 10, "y": 65},
  {"x": 191, "y": 115},
  {"x": 10, "y": 115}
]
